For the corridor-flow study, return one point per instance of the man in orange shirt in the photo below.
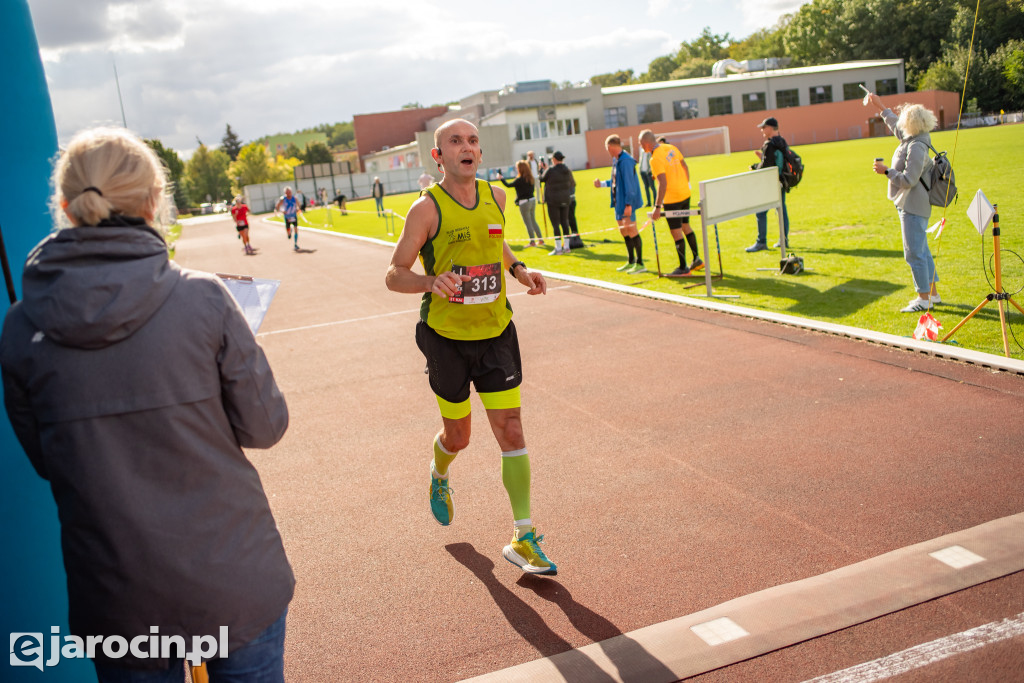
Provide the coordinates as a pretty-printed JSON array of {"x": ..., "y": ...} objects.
[{"x": 673, "y": 176}]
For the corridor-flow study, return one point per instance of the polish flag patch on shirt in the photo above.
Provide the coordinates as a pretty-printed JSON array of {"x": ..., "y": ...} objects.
[{"x": 493, "y": 230}]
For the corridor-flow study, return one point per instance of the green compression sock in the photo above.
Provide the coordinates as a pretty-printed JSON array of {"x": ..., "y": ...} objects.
[
  {"x": 442, "y": 458},
  {"x": 515, "y": 475}
]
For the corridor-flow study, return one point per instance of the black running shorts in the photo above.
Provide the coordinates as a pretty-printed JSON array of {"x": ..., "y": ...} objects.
[
  {"x": 490, "y": 364},
  {"x": 677, "y": 223}
]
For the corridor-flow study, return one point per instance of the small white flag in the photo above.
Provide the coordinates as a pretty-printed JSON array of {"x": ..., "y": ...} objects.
[{"x": 937, "y": 228}]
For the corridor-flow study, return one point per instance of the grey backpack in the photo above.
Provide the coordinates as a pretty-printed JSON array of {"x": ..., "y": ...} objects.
[{"x": 940, "y": 183}]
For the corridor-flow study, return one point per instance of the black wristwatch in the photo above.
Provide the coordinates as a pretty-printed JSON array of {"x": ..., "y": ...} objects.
[{"x": 512, "y": 268}]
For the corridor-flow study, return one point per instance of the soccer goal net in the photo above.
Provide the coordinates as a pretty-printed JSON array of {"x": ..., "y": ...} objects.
[{"x": 695, "y": 143}]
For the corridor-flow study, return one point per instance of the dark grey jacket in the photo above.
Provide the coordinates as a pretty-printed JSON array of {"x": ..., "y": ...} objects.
[
  {"x": 132, "y": 385},
  {"x": 559, "y": 185}
]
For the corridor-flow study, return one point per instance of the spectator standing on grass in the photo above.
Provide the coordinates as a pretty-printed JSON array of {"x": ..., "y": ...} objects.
[
  {"x": 288, "y": 204},
  {"x": 378, "y": 195},
  {"x": 559, "y": 186},
  {"x": 673, "y": 176},
  {"x": 240, "y": 212},
  {"x": 645, "y": 172},
  {"x": 527, "y": 203},
  {"x": 626, "y": 199},
  {"x": 771, "y": 154},
  {"x": 909, "y": 163},
  {"x": 466, "y": 331},
  {"x": 133, "y": 384}
]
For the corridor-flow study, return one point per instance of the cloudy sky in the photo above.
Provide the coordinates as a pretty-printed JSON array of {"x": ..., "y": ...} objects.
[{"x": 188, "y": 67}]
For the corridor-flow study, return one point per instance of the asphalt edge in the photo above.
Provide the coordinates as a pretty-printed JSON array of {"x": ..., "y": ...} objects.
[{"x": 784, "y": 615}]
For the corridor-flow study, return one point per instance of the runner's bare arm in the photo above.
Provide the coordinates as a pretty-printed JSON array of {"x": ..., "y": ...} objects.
[{"x": 400, "y": 277}]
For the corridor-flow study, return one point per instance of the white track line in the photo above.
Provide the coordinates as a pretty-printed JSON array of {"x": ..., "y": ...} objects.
[
  {"x": 371, "y": 317},
  {"x": 928, "y": 653}
]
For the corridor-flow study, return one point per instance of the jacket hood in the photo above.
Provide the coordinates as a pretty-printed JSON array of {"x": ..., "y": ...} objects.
[{"x": 92, "y": 286}]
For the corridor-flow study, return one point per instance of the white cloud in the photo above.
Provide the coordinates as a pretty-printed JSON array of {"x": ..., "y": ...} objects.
[{"x": 189, "y": 67}]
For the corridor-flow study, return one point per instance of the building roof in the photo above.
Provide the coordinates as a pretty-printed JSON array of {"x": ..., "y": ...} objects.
[{"x": 823, "y": 68}]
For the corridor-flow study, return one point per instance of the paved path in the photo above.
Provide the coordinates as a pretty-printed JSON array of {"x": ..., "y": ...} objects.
[{"x": 681, "y": 459}]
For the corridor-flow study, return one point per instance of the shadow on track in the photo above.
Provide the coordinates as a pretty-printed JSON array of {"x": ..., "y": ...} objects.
[{"x": 633, "y": 662}]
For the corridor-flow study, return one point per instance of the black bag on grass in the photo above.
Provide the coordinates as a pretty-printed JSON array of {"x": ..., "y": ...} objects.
[{"x": 791, "y": 265}]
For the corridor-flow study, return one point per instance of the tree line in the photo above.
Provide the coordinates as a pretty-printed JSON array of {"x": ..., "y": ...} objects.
[
  {"x": 215, "y": 174},
  {"x": 931, "y": 36}
]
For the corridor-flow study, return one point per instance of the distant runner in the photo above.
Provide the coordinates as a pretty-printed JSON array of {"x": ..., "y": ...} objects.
[
  {"x": 240, "y": 212},
  {"x": 291, "y": 214}
]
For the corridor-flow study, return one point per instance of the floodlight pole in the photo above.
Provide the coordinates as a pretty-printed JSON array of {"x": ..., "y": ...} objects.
[{"x": 999, "y": 296}]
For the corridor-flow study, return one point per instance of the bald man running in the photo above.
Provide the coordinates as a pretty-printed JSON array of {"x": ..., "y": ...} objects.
[{"x": 456, "y": 228}]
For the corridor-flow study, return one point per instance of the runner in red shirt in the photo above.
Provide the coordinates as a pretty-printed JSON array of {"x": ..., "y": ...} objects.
[{"x": 240, "y": 212}]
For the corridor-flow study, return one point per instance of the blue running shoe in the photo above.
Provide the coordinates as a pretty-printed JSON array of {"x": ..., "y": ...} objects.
[
  {"x": 526, "y": 554},
  {"x": 441, "y": 504}
]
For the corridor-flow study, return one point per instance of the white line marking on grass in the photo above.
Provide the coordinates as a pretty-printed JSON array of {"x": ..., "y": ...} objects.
[
  {"x": 928, "y": 653},
  {"x": 370, "y": 317}
]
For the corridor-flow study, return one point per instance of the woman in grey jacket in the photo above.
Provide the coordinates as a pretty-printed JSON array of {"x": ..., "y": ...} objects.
[
  {"x": 909, "y": 163},
  {"x": 133, "y": 385}
]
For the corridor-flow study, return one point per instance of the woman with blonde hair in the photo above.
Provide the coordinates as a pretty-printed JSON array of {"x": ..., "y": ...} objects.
[
  {"x": 524, "y": 186},
  {"x": 132, "y": 384},
  {"x": 910, "y": 163}
]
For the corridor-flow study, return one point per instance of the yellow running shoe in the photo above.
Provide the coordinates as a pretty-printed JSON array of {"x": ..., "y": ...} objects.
[{"x": 526, "y": 554}]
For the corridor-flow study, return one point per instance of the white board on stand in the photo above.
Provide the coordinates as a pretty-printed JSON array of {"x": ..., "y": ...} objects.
[{"x": 742, "y": 194}]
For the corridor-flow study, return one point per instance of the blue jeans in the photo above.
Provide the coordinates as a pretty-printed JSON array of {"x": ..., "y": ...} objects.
[
  {"x": 380, "y": 204},
  {"x": 916, "y": 252},
  {"x": 261, "y": 660},
  {"x": 762, "y": 223},
  {"x": 648, "y": 179}
]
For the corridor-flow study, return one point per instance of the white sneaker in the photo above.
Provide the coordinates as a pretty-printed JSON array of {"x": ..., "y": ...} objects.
[
  {"x": 935, "y": 299},
  {"x": 555, "y": 252},
  {"x": 917, "y": 306}
]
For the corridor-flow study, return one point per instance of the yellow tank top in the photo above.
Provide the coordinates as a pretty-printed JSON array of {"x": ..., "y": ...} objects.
[{"x": 470, "y": 241}]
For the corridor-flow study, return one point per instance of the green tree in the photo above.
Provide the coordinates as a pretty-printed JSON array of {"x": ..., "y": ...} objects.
[
  {"x": 293, "y": 151},
  {"x": 317, "y": 153},
  {"x": 660, "y": 69},
  {"x": 698, "y": 67},
  {"x": 708, "y": 46},
  {"x": 282, "y": 169},
  {"x": 765, "y": 42},
  {"x": 250, "y": 168},
  {"x": 206, "y": 174},
  {"x": 231, "y": 143},
  {"x": 175, "y": 169},
  {"x": 622, "y": 77}
]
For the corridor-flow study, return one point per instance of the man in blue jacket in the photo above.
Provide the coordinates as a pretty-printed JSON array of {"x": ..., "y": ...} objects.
[{"x": 627, "y": 199}]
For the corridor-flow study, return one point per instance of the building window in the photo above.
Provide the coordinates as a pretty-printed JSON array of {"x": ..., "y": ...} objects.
[
  {"x": 852, "y": 91},
  {"x": 614, "y": 117},
  {"x": 648, "y": 113},
  {"x": 821, "y": 94},
  {"x": 885, "y": 86},
  {"x": 754, "y": 101},
  {"x": 718, "y": 106},
  {"x": 787, "y": 98},
  {"x": 684, "y": 109}
]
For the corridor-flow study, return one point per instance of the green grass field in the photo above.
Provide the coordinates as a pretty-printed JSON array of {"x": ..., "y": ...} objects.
[{"x": 840, "y": 223}]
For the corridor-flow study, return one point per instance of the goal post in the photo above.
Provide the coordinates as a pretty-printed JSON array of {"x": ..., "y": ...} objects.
[{"x": 699, "y": 142}]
